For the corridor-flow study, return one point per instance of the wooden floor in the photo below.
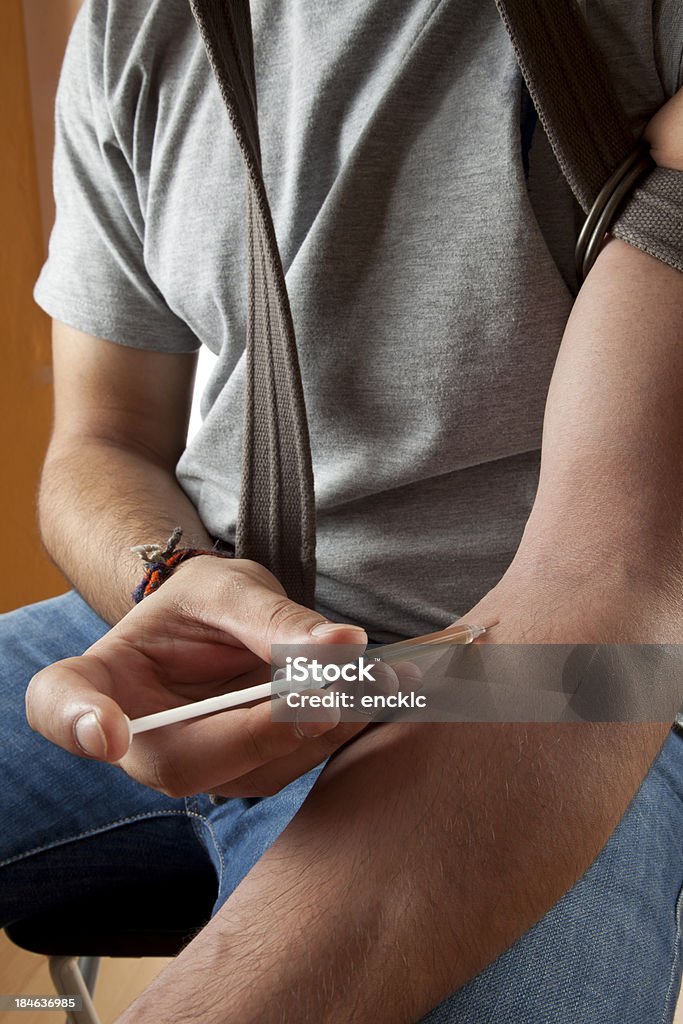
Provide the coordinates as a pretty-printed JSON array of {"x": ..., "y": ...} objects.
[{"x": 119, "y": 982}]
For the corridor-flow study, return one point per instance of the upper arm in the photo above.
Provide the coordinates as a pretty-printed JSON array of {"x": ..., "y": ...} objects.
[
  {"x": 131, "y": 397},
  {"x": 664, "y": 132}
]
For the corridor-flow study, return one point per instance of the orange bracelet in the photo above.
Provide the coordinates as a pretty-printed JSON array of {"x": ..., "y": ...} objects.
[{"x": 161, "y": 562}]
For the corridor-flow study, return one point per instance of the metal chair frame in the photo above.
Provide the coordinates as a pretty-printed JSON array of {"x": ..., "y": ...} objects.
[{"x": 76, "y": 976}]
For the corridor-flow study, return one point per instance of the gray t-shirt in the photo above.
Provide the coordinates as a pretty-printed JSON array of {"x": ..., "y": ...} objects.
[{"x": 430, "y": 274}]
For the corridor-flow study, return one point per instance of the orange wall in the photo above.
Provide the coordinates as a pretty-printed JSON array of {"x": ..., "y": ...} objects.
[
  {"x": 47, "y": 24},
  {"x": 25, "y": 398}
]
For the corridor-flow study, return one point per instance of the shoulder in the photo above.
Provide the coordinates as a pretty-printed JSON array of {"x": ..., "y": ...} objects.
[
  {"x": 665, "y": 133},
  {"x": 123, "y": 58},
  {"x": 120, "y": 41},
  {"x": 116, "y": 25}
]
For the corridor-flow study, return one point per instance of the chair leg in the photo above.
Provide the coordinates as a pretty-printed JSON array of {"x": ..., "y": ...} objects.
[
  {"x": 89, "y": 966},
  {"x": 69, "y": 981}
]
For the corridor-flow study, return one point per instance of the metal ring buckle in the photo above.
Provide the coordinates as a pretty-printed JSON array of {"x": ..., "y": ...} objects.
[{"x": 610, "y": 196}]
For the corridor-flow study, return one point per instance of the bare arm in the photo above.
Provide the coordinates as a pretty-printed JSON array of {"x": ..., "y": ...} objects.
[
  {"x": 528, "y": 807},
  {"x": 108, "y": 481}
]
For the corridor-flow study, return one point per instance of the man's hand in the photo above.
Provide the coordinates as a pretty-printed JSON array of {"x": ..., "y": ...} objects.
[{"x": 207, "y": 630}]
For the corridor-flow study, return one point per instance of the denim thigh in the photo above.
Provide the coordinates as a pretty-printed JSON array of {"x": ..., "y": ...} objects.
[
  {"x": 609, "y": 952},
  {"x": 71, "y": 827}
]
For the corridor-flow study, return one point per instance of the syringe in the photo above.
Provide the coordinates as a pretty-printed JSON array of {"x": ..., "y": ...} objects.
[
  {"x": 463, "y": 633},
  {"x": 460, "y": 634}
]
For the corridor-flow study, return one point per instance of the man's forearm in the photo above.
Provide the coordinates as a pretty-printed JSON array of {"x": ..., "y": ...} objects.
[
  {"x": 96, "y": 502},
  {"x": 422, "y": 853},
  {"x": 385, "y": 894}
]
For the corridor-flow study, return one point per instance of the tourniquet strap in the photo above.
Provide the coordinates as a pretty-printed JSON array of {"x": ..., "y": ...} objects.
[
  {"x": 590, "y": 133},
  {"x": 276, "y": 518}
]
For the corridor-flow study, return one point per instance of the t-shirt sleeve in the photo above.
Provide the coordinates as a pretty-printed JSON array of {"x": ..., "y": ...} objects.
[{"x": 95, "y": 278}]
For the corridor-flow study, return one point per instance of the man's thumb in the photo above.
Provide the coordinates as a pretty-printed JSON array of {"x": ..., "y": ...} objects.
[{"x": 68, "y": 709}]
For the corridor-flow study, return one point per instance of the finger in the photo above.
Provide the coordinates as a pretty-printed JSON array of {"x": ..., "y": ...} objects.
[
  {"x": 271, "y": 778},
  {"x": 248, "y": 608},
  {"x": 409, "y": 674},
  {"x": 197, "y": 756},
  {"x": 68, "y": 704}
]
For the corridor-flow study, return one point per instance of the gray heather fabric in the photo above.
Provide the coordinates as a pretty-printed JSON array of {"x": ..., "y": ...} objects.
[{"x": 429, "y": 282}]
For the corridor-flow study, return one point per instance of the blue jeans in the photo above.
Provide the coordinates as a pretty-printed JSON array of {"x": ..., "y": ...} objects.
[{"x": 609, "y": 951}]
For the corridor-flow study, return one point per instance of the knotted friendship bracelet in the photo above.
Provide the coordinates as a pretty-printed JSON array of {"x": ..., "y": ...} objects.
[{"x": 160, "y": 562}]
